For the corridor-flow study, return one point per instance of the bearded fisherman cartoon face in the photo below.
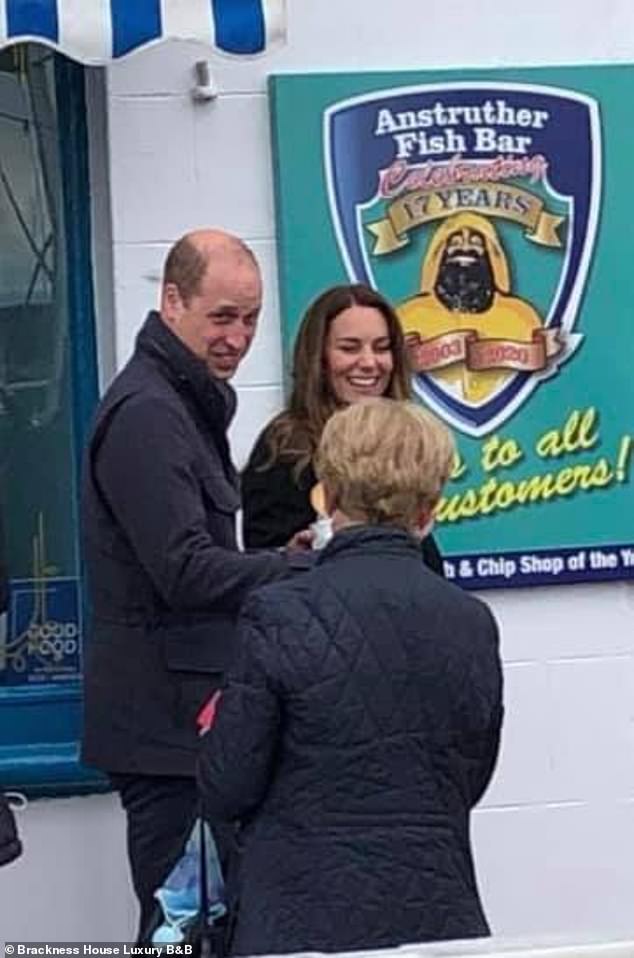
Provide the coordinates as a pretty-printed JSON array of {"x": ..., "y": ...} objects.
[
  {"x": 465, "y": 282},
  {"x": 465, "y": 286}
]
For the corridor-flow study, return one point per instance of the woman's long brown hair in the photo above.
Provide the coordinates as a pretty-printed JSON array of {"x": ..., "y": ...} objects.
[{"x": 295, "y": 433}]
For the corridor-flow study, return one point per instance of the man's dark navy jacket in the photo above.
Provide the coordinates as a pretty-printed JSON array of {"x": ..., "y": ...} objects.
[
  {"x": 166, "y": 580},
  {"x": 359, "y": 727}
]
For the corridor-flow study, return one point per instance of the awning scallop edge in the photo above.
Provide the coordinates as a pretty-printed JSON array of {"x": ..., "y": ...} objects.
[{"x": 99, "y": 31}]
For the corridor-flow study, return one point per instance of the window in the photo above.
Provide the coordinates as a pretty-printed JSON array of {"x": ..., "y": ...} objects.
[{"x": 47, "y": 392}]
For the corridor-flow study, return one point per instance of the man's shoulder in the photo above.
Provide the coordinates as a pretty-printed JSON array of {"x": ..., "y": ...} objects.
[
  {"x": 137, "y": 405},
  {"x": 138, "y": 376},
  {"x": 136, "y": 388}
]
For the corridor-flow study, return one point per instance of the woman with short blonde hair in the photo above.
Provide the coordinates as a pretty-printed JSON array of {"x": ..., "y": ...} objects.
[
  {"x": 362, "y": 720},
  {"x": 385, "y": 462}
]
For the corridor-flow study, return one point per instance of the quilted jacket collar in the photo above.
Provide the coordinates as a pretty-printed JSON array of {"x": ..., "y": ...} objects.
[{"x": 376, "y": 539}]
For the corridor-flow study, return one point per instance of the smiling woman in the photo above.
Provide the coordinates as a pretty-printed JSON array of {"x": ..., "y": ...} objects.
[
  {"x": 358, "y": 352},
  {"x": 349, "y": 347}
]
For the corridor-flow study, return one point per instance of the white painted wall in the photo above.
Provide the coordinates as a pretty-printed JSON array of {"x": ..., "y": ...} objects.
[
  {"x": 71, "y": 883},
  {"x": 555, "y": 838}
]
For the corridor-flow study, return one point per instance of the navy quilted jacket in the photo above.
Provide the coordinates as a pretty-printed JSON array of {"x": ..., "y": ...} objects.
[{"x": 357, "y": 730}]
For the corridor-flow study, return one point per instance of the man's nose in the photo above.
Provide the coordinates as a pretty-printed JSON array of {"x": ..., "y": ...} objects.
[{"x": 238, "y": 339}]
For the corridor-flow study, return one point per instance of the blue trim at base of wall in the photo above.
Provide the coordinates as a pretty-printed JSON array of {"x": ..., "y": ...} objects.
[
  {"x": 48, "y": 769},
  {"x": 39, "y": 751}
]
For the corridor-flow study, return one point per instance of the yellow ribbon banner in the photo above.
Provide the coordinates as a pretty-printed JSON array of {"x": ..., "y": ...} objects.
[
  {"x": 489, "y": 199},
  {"x": 466, "y": 346}
]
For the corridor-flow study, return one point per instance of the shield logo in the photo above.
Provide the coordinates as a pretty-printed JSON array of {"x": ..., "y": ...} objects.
[{"x": 474, "y": 208}]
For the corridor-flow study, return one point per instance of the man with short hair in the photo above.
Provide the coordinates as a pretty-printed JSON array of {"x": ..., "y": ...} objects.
[{"x": 166, "y": 579}]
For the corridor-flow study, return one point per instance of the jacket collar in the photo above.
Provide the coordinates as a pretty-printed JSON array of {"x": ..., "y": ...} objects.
[
  {"x": 188, "y": 374},
  {"x": 370, "y": 539}
]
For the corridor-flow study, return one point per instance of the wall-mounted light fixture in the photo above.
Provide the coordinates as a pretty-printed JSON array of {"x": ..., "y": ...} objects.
[{"x": 205, "y": 87}]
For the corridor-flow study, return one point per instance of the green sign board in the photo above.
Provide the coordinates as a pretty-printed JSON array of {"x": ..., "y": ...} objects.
[{"x": 493, "y": 209}]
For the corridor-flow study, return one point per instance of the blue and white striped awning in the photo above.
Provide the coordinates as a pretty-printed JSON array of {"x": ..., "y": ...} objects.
[{"x": 97, "y": 31}]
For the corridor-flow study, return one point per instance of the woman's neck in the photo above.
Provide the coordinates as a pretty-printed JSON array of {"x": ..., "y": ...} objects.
[{"x": 342, "y": 521}]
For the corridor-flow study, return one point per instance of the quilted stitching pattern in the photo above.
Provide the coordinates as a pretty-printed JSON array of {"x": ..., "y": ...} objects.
[{"x": 358, "y": 729}]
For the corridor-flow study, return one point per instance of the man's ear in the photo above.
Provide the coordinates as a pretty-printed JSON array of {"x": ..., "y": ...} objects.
[{"x": 171, "y": 303}]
